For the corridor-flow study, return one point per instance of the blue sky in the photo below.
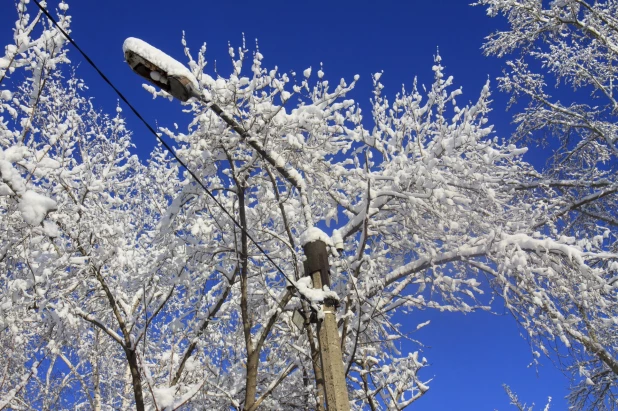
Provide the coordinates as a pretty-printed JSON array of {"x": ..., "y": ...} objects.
[{"x": 471, "y": 356}]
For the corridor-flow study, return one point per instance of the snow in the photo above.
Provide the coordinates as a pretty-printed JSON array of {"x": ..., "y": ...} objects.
[
  {"x": 168, "y": 64},
  {"x": 307, "y": 72},
  {"x": 11, "y": 177},
  {"x": 314, "y": 234},
  {"x": 5, "y": 190},
  {"x": 164, "y": 397},
  {"x": 48, "y": 163},
  {"x": 305, "y": 287},
  {"x": 526, "y": 242},
  {"x": 337, "y": 239},
  {"x": 421, "y": 325},
  {"x": 34, "y": 207},
  {"x": 14, "y": 154},
  {"x": 422, "y": 387},
  {"x": 50, "y": 229}
]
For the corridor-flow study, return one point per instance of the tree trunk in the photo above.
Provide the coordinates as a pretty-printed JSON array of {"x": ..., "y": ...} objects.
[
  {"x": 252, "y": 357},
  {"x": 251, "y": 380},
  {"x": 136, "y": 379}
]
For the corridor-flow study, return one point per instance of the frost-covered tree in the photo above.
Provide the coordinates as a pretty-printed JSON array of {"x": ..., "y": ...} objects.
[
  {"x": 424, "y": 203},
  {"x": 76, "y": 210},
  {"x": 125, "y": 284},
  {"x": 561, "y": 58}
]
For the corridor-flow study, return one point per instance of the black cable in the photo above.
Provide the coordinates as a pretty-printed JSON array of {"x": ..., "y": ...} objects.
[{"x": 167, "y": 146}]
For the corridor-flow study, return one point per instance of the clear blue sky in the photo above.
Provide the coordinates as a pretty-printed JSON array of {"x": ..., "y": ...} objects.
[{"x": 471, "y": 355}]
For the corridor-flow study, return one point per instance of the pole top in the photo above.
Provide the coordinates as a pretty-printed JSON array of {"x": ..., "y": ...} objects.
[{"x": 317, "y": 260}]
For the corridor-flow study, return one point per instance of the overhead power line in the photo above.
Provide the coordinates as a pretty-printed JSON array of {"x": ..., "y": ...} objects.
[{"x": 165, "y": 144}]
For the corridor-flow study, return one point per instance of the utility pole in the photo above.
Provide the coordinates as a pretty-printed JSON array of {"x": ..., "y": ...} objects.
[{"x": 335, "y": 386}]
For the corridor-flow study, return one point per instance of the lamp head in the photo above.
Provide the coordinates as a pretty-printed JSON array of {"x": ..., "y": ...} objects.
[{"x": 160, "y": 69}]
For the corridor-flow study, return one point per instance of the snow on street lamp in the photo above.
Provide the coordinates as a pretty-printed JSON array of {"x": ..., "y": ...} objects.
[
  {"x": 173, "y": 77},
  {"x": 160, "y": 69}
]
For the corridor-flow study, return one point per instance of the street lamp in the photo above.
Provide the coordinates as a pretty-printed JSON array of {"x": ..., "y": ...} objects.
[
  {"x": 160, "y": 69},
  {"x": 172, "y": 76}
]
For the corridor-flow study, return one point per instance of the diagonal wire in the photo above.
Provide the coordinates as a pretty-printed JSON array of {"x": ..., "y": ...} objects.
[{"x": 166, "y": 145}]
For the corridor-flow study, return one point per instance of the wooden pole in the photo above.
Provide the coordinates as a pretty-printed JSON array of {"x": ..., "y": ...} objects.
[{"x": 335, "y": 385}]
